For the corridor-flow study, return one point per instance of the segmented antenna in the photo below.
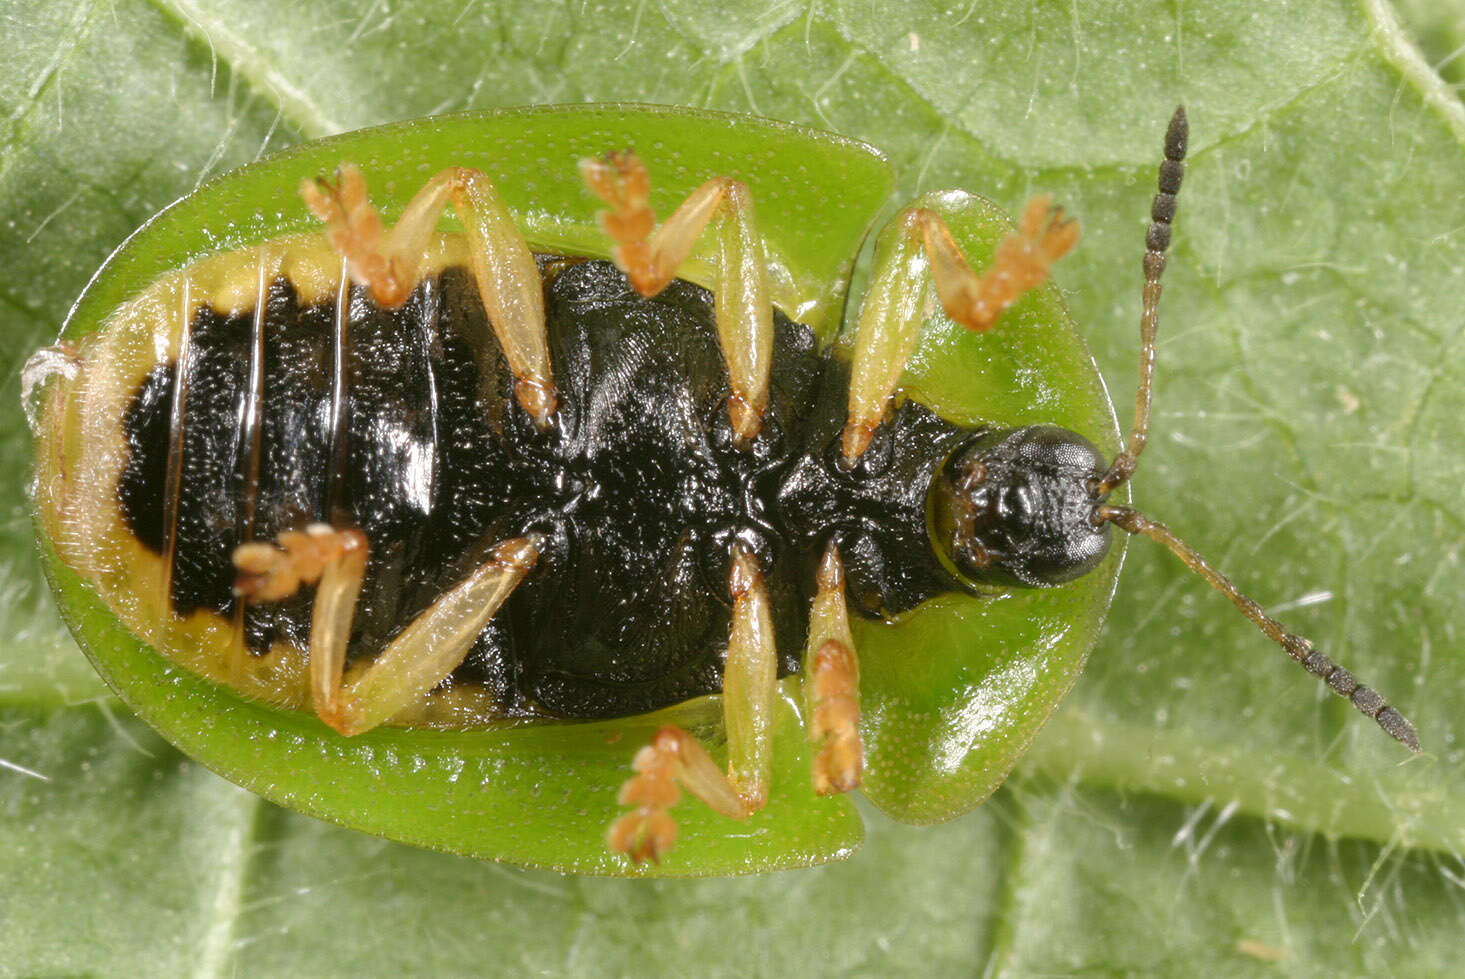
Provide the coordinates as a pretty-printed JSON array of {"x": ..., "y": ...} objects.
[
  {"x": 1162, "y": 214},
  {"x": 1343, "y": 683}
]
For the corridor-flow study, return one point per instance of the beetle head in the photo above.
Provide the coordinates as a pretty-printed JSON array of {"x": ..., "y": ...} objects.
[{"x": 1016, "y": 507}]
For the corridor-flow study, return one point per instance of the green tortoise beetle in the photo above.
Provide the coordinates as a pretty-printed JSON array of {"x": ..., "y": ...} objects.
[{"x": 526, "y": 527}]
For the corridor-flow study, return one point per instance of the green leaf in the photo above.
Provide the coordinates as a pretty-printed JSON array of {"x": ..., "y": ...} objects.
[{"x": 1198, "y": 806}]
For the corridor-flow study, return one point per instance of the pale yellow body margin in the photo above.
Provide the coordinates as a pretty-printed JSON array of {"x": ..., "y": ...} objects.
[{"x": 85, "y": 453}]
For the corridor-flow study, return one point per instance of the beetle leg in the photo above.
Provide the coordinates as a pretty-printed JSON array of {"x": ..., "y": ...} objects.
[
  {"x": 269, "y": 572},
  {"x": 355, "y": 230},
  {"x": 894, "y": 308},
  {"x": 431, "y": 646},
  {"x": 1020, "y": 264},
  {"x": 333, "y": 560},
  {"x": 749, "y": 681},
  {"x": 434, "y": 643},
  {"x": 832, "y": 684},
  {"x": 889, "y": 325},
  {"x": 503, "y": 266},
  {"x": 650, "y": 258},
  {"x": 675, "y": 758}
]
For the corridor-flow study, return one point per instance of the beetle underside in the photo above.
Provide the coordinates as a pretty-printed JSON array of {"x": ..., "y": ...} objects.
[
  {"x": 615, "y": 504},
  {"x": 636, "y": 492},
  {"x": 414, "y": 477}
]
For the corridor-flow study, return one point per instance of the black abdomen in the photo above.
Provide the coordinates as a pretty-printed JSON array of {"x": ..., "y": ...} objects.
[{"x": 402, "y": 423}]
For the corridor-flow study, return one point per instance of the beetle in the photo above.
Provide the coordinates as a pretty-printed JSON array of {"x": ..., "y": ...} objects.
[{"x": 516, "y": 521}]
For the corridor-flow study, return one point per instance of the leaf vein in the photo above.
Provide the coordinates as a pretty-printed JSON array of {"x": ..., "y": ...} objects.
[
  {"x": 248, "y": 61},
  {"x": 233, "y": 865}
]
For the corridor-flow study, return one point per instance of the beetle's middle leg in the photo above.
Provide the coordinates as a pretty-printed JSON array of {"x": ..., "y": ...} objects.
[
  {"x": 832, "y": 684},
  {"x": 651, "y": 255},
  {"x": 421, "y": 655},
  {"x": 675, "y": 758},
  {"x": 389, "y": 263},
  {"x": 894, "y": 306}
]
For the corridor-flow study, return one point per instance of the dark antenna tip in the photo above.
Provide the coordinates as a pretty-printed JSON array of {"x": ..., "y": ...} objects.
[
  {"x": 1366, "y": 700},
  {"x": 1397, "y": 726},
  {"x": 1157, "y": 240},
  {"x": 1177, "y": 135}
]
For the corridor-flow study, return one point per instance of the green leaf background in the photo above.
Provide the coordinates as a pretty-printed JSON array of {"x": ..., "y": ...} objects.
[{"x": 1197, "y": 806}]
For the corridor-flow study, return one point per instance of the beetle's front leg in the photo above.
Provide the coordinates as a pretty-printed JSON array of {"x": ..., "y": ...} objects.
[
  {"x": 675, "y": 758},
  {"x": 832, "y": 684},
  {"x": 431, "y": 646},
  {"x": 503, "y": 266},
  {"x": 1020, "y": 264},
  {"x": 650, "y": 257},
  {"x": 894, "y": 307}
]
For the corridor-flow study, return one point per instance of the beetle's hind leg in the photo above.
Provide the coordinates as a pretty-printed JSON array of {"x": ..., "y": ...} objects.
[
  {"x": 421, "y": 655},
  {"x": 675, "y": 758},
  {"x": 893, "y": 311},
  {"x": 389, "y": 263},
  {"x": 651, "y": 255}
]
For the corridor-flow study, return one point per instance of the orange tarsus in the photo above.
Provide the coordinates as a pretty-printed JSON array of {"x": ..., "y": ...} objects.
[
  {"x": 648, "y": 832},
  {"x": 335, "y": 718},
  {"x": 355, "y": 231},
  {"x": 269, "y": 572},
  {"x": 1021, "y": 262},
  {"x": 620, "y": 179}
]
